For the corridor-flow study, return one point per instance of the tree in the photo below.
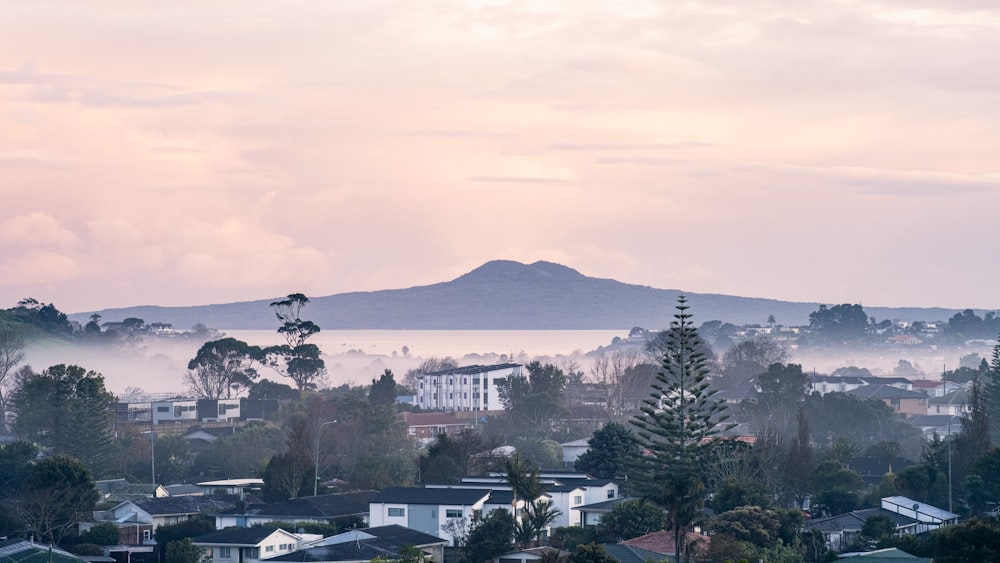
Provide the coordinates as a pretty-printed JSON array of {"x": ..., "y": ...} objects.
[
  {"x": 102, "y": 533},
  {"x": 383, "y": 390},
  {"x": 299, "y": 361},
  {"x": 430, "y": 365},
  {"x": 221, "y": 367},
  {"x": 11, "y": 354},
  {"x": 632, "y": 519},
  {"x": 65, "y": 409},
  {"x": 781, "y": 389},
  {"x": 677, "y": 425},
  {"x": 748, "y": 359},
  {"x": 591, "y": 553},
  {"x": 57, "y": 493},
  {"x": 289, "y": 474},
  {"x": 610, "y": 369},
  {"x": 489, "y": 537},
  {"x": 534, "y": 399},
  {"x": 185, "y": 551},
  {"x": 840, "y": 324},
  {"x": 609, "y": 450}
]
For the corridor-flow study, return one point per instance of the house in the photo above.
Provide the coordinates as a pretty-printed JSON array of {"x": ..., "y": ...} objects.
[
  {"x": 903, "y": 402},
  {"x": 842, "y": 531},
  {"x": 24, "y": 551},
  {"x": 956, "y": 403},
  {"x": 425, "y": 426},
  {"x": 183, "y": 490},
  {"x": 138, "y": 519},
  {"x": 235, "y": 487},
  {"x": 662, "y": 541},
  {"x": 426, "y": 510},
  {"x": 534, "y": 555},
  {"x": 941, "y": 425},
  {"x": 824, "y": 384},
  {"x": 247, "y": 545},
  {"x": 323, "y": 509},
  {"x": 628, "y": 554},
  {"x": 590, "y": 514},
  {"x": 117, "y": 490},
  {"x": 930, "y": 517},
  {"x": 363, "y": 545},
  {"x": 469, "y": 388},
  {"x": 888, "y": 555},
  {"x": 573, "y": 450},
  {"x": 873, "y": 469},
  {"x": 907, "y": 515}
]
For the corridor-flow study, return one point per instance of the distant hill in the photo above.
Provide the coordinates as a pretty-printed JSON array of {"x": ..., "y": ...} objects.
[{"x": 501, "y": 295}]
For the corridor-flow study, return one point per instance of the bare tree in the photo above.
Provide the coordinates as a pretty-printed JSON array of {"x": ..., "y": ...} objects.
[
  {"x": 11, "y": 354},
  {"x": 430, "y": 365},
  {"x": 609, "y": 369}
]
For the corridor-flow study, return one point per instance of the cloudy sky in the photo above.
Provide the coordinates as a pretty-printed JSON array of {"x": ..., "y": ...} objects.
[{"x": 191, "y": 151}]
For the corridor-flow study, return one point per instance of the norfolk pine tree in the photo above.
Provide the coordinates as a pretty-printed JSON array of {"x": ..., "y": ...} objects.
[{"x": 676, "y": 427}]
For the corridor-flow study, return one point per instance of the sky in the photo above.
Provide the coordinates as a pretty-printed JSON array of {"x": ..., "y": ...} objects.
[{"x": 192, "y": 152}]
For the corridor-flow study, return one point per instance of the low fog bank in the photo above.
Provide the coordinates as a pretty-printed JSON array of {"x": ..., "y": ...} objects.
[
  {"x": 157, "y": 366},
  {"x": 927, "y": 364}
]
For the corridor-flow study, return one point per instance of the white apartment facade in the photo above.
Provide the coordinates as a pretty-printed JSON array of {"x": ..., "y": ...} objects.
[{"x": 469, "y": 388}]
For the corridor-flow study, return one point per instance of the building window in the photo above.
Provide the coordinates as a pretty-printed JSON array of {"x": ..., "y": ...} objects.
[
  {"x": 611, "y": 493},
  {"x": 269, "y": 548},
  {"x": 147, "y": 535},
  {"x": 177, "y": 411},
  {"x": 225, "y": 553},
  {"x": 578, "y": 499},
  {"x": 162, "y": 409},
  {"x": 453, "y": 513},
  {"x": 451, "y": 395},
  {"x": 398, "y": 512}
]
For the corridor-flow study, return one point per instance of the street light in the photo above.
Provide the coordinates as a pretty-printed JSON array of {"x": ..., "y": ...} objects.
[{"x": 316, "y": 467}]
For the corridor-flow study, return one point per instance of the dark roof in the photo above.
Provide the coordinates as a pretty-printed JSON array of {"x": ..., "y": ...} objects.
[
  {"x": 873, "y": 469},
  {"x": 563, "y": 488},
  {"x": 629, "y": 554},
  {"x": 186, "y": 505},
  {"x": 855, "y": 520},
  {"x": 577, "y": 482},
  {"x": 882, "y": 392},
  {"x": 433, "y": 419},
  {"x": 23, "y": 551},
  {"x": 396, "y": 537},
  {"x": 323, "y": 506},
  {"x": 436, "y": 495},
  {"x": 388, "y": 541},
  {"x": 472, "y": 370},
  {"x": 604, "y": 506},
  {"x": 957, "y": 397},
  {"x": 348, "y": 551},
  {"x": 236, "y": 535},
  {"x": 182, "y": 489},
  {"x": 936, "y": 420}
]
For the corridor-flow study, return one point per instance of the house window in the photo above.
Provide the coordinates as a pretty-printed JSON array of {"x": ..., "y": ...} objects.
[
  {"x": 452, "y": 513},
  {"x": 147, "y": 535},
  {"x": 177, "y": 411},
  {"x": 611, "y": 493},
  {"x": 269, "y": 549},
  {"x": 225, "y": 553},
  {"x": 578, "y": 499},
  {"x": 162, "y": 409},
  {"x": 397, "y": 512},
  {"x": 252, "y": 553}
]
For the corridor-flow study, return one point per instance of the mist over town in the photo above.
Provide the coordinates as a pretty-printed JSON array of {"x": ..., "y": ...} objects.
[{"x": 470, "y": 281}]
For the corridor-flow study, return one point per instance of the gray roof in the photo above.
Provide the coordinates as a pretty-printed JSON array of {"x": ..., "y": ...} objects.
[
  {"x": 23, "y": 551},
  {"x": 186, "y": 505},
  {"x": 435, "y": 495},
  {"x": 604, "y": 506},
  {"x": 236, "y": 535},
  {"x": 882, "y": 392},
  {"x": 323, "y": 506},
  {"x": 370, "y": 543},
  {"x": 182, "y": 489},
  {"x": 471, "y": 370},
  {"x": 855, "y": 520},
  {"x": 629, "y": 554}
]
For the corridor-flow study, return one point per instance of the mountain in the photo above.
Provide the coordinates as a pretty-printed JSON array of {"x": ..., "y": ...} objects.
[{"x": 501, "y": 295}]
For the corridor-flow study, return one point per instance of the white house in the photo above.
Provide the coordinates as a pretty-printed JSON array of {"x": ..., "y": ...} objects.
[
  {"x": 469, "y": 388},
  {"x": 248, "y": 545},
  {"x": 426, "y": 510}
]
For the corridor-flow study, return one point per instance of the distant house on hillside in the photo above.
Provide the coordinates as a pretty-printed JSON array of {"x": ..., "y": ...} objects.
[{"x": 425, "y": 426}]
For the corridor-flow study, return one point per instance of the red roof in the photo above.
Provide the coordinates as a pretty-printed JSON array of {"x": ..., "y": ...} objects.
[{"x": 432, "y": 419}]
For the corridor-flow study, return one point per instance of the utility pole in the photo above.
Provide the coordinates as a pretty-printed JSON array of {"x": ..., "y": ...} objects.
[{"x": 316, "y": 466}]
